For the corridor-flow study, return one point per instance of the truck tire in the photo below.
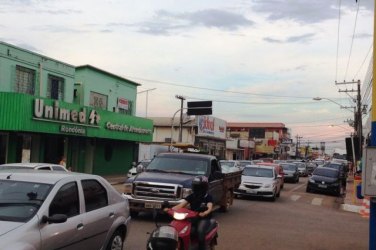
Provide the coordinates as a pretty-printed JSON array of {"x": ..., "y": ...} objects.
[{"x": 228, "y": 201}]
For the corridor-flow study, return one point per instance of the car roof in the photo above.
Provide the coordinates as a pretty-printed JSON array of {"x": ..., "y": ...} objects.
[
  {"x": 30, "y": 165},
  {"x": 48, "y": 177},
  {"x": 259, "y": 166}
]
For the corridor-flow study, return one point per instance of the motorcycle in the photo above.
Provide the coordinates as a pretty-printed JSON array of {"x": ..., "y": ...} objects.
[{"x": 178, "y": 234}]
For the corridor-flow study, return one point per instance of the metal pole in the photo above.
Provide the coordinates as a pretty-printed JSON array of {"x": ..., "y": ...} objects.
[
  {"x": 359, "y": 112},
  {"x": 182, "y": 98},
  {"x": 147, "y": 97},
  {"x": 372, "y": 217}
]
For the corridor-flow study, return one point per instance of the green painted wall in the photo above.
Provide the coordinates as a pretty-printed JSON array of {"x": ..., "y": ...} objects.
[
  {"x": 16, "y": 114},
  {"x": 11, "y": 56},
  {"x": 96, "y": 80}
]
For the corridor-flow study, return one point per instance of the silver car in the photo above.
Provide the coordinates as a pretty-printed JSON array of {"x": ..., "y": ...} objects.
[
  {"x": 37, "y": 166},
  {"x": 60, "y": 210}
]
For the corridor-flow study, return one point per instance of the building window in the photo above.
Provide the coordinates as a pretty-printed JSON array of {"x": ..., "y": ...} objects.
[
  {"x": 257, "y": 133},
  {"x": 98, "y": 100},
  {"x": 25, "y": 80},
  {"x": 55, "y": 88},
  {"x": 126, "y": 111}
]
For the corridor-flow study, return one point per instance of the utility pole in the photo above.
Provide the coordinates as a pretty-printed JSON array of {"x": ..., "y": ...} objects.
[
  {"x": 357, "y": 114},
  {"x": 297, "y": 154},
  {"x": 182, "y": 98}
]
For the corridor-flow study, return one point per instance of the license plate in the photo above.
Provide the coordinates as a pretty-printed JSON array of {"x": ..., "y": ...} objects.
[
  {"x": 322, "y": 186},
  {"x": 251, "y": 191},
  {"x": 153, "y": 205}
]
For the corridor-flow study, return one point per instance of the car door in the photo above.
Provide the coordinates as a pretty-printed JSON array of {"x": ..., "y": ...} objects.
[
  {"x": 99, "y": 214},
  {"x": 66, "y": 235},
  {"x": 215, "y": 182}
]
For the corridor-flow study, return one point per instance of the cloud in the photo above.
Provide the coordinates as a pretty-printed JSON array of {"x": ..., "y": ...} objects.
[
  {"x": 60, "y": 12},
  {"x": 165, "y": 22},
  {"x": 363, "y": 35},
  {"x": 292, "y": 39},
  {"x": 58, "y": 29},
  {"x": 297, "y": 10}
]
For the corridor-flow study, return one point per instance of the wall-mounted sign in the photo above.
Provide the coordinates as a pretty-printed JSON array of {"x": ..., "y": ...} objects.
[
  {"x": 211, "y": 126},
  {"x": 54, "y": 113},
  {"x": 72, "y": 130},
  {"x": 127, "y": 128},
  {"x": 286, "y": 141},
  {"x": 123, "y": 103}
]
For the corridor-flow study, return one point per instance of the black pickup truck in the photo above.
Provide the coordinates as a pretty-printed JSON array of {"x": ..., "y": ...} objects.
[{"x": 169, "y": 176}]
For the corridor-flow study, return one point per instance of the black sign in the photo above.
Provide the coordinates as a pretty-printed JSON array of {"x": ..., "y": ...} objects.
[
  {"x": 286, "y": 141},
  {"x": 199, "y": 108}
]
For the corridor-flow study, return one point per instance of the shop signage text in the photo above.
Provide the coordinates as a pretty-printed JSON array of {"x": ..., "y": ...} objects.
[
  {"x": 126, "y": 128},
  {"x": 55, "y": 113},
  {"x": 122, "y": 103},
  {"x": 72, "y": 130}
]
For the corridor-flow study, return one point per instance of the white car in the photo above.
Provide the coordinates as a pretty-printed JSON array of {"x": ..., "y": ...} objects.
[
  {"x": 261, "y": 181},
  {"x": 37, "y": 166},
  {"x": 60, "y": 210}
]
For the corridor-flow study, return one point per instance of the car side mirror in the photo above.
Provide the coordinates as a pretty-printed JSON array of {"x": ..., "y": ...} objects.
[
  {"x": 56, "y": 218},
  {"x": 134, "y": 164},
  {"x": 139, "y": 169}
]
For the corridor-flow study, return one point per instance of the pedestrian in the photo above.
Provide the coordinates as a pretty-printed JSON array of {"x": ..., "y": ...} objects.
[{"x": 63, "y": 161}]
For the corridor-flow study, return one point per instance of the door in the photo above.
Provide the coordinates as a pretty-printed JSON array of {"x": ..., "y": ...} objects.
[
  {"x": 67, "y": 235},
  {"x": 215, "y": 183}
]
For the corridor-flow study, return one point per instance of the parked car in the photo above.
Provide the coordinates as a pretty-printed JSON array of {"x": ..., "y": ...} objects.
[
  {"x": 291, "y": 172},
  {"x": 261, "y": 181},
  {"x": 278, "y": 168},
  {"x": 343, "y": 170},
  {"x": 60, "y": 210},
  {"x": 325, "y": 180},
  {"x": 133, "y": 170},
  {"x": 310, "y": 167},
  {"x": 37, "y": 166}
]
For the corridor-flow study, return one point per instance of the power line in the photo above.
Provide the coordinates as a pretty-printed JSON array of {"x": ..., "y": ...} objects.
[
  {"x": 361, "y": 66},
  {"x": 352, "y": 40}
]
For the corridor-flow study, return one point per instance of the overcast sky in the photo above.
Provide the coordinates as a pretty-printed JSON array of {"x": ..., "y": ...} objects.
[{"x": 257, "y": 60}]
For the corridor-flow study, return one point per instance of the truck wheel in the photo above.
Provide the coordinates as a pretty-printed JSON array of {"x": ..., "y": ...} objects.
[{"x": 225, "y": 208}]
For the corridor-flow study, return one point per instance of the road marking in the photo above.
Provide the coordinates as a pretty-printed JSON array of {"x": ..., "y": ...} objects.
[
  {"x": 295, "y": 197},
  {"x": 297, "y": 187},
  {"x": 316, "y": 201}
]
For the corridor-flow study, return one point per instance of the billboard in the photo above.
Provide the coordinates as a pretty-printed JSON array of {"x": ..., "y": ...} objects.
[{"x": 211, "y": 126}]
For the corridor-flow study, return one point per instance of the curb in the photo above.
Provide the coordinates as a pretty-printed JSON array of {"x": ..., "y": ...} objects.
[{"x": 350, "y": 208}]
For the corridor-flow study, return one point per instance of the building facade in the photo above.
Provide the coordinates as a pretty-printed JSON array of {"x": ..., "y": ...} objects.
[
  {"x": 50, "y": 109},
  {"x": 260, "y": 139}
]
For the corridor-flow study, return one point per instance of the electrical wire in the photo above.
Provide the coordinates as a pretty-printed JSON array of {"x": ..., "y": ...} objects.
[
  {"x": 352, "y": 40},
  {"x": 364, "y": 60},
  {"x": 339, "y": 22}
]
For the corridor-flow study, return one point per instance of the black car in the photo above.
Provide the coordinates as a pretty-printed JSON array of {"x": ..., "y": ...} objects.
[
  {"x": 291, "y": 172},
  {"x": 326, "y": 180},
  {"x": 342, "y": 171}
]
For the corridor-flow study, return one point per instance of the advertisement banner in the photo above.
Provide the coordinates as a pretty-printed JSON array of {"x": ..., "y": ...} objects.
[{"x": 211, "y": 126}]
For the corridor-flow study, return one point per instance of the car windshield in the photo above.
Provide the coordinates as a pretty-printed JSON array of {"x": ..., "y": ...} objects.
[
  {"x": 227, "y": 163},
  {"x": 178, "y": 165},
  {"x": 19, "y": 201},
  {"x": 245, "y": 163},
  {"x": 325, "y": 172},
  {"x": 335, "y": 166},
  {"x": 288, "y": 167},
  {"x": 258, "y": 172}
]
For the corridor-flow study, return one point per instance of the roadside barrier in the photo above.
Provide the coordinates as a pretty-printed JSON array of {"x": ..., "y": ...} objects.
[{"x": 364, "y": 210}]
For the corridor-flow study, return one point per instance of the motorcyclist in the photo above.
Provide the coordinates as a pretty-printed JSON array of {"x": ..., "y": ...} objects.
[{"x": 197, "y": 200}]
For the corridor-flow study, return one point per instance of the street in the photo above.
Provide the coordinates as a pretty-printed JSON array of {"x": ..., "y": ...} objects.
[{"x": 297, "y": 220}]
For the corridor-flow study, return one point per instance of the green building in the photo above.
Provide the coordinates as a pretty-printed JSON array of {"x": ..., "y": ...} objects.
[{"x": 50, "y": 109}]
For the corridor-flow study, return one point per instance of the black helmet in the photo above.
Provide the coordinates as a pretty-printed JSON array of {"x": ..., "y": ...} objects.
[{"x": 200, "y": 185}]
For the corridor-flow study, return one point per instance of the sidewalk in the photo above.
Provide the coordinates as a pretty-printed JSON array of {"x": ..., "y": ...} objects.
[
  {"x": 351, "y": 202},
  {"x": 115, "y": 179}
]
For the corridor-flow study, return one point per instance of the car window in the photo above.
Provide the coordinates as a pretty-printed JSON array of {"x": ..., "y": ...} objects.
[
  {"x": 258, "y": 172},
  {"x": 58, "y": 168},
  {"x": 19, "y": 201},
  {"x": 95, "y": 195},
  {"x": 66, "y": 201},
  {"x": 289, "y": 167},
  {"x": 44, "y": 168},
  {"x": 325, "y": 172}
]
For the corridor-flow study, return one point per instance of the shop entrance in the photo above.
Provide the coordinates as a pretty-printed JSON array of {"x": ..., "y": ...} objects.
[
  {"x": 53, "y": 148},
  {"x": 3, "y": 148}
]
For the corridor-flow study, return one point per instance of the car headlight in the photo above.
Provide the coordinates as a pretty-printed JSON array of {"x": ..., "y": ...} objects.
[
  {"x": 186, "y": 192},
  {"x": 180, "y": 216},
  {"x": 128, "y": 188},
  {"x": 311, "y": 180},
  {"x": 268, "y": 185}
]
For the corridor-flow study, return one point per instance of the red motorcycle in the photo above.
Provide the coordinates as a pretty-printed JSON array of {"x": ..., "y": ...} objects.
[{"x": 181, "y": 227}]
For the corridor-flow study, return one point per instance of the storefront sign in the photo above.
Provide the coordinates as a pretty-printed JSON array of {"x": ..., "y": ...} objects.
[
  {"x": 57, "y": 114},
  {"x": 122, "y": 103},
  {"x": 211, "y": 126},
  {"x": 127, "y": 128},
  {"x": 72, "y": 130}
]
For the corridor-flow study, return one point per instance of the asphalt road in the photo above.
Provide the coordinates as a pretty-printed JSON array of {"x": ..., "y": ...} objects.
[{"x": 297, "y": 220}]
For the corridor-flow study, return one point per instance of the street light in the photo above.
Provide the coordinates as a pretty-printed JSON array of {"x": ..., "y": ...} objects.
[
  {"x": 147, "y": 97},
  {"x": 323, "y": 98}
]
